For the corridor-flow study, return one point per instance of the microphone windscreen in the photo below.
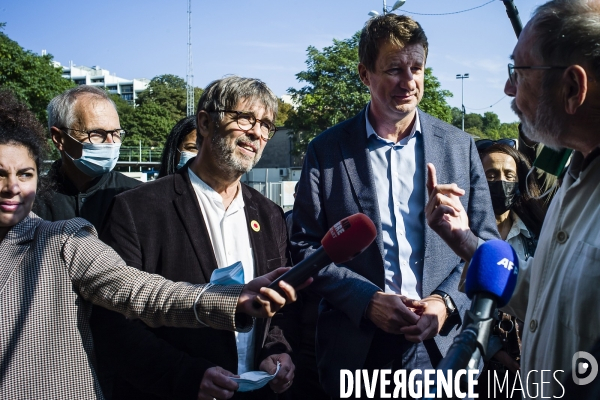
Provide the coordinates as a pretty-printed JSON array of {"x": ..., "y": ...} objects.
[
  {"x": 493, "y": 269},
  {"x": 348, "y": 238}
]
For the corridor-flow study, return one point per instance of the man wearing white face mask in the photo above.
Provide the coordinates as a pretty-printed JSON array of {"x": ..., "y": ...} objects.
[{"x": 85, "y": 128}]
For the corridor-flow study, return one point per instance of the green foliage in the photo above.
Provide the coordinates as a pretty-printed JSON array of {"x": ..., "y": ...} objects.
[
  {"x": 434, "y": 98},
  {"x": 158, "y": 109},
  {"x": 33, "y": 78},
  {"x": 283, "y": 112},
  {"x": 334, "y": 92},
  {"x": 487, "y": 126}
]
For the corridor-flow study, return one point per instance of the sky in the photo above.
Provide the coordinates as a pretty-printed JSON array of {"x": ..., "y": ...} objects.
[{"x": 264, "y": 39}]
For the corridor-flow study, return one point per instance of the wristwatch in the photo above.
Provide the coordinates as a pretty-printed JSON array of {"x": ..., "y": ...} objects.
[{"x": 450, "y": 307}]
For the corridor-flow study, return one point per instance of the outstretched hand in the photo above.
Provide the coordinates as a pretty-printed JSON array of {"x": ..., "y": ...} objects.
[
  {"x": 257, "y": 300},
  {"x": 447, "y": 217}
]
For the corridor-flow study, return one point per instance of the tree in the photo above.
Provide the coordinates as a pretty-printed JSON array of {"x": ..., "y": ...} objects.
[
  {"x": 283, "y": 112},
  {"x": 34, "y": 79},
  {"x": 158, "y": 109},
  {"x": 334, "y": 92},
  {"x": 434, "y": 98},
  {"x": 491, "y": 121}
]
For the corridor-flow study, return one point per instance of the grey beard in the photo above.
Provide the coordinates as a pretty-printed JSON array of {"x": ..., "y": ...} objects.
[
  {"x": 225, "y": 154},
  {"x": 547, "y": 125}
]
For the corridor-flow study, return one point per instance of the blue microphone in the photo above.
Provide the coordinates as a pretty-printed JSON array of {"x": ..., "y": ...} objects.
[
  {"x": 490, "y": 283},
  {"x": 493, "y": 270}
]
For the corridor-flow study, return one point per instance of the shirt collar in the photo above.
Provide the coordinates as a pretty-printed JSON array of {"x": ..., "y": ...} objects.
[
  {"x": 518, "y": 227},
  {"x": 371, "y": 131},
  {"x": 203, "y": 187}
]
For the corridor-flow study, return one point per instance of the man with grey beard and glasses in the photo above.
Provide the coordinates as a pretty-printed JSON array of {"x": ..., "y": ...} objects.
[
  {"x": 554, "y": 82},
  {"x": 186, "y": 226}
]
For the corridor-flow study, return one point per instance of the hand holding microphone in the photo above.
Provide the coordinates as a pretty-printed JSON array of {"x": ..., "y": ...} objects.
[
  {"x": 491, "y": 281},
  {"x": 343, "y": 241}
]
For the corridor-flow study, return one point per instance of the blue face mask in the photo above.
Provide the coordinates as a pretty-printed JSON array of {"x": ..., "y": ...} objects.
[
  {"x": 232, "y": 275},
  {"x": 97, "y": 158},
  {"x": 184, "y": 157}
]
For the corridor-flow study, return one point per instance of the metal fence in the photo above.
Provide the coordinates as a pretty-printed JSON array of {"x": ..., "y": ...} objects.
[{"x": 271, "y": 190}]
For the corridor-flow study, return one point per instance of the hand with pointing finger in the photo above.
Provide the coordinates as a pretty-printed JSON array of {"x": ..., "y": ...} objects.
[{"x": 447, "y": 217}]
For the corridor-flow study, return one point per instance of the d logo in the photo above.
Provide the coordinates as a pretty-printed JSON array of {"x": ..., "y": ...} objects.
[{"x": 580, "y": 367}]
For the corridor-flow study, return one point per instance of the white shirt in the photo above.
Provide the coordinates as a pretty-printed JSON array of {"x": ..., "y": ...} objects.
[
  {"x": 515, "y": 236},
  {"x": 228, "y": 232},
  {"x": 557, "y": 290}
]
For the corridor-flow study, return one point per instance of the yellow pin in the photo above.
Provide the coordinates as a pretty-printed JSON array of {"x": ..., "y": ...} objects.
[{"x": 255, "y": 226}]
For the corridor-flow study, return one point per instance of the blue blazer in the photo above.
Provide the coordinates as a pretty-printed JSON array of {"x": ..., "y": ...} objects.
[{"x": 337, "y": 181}]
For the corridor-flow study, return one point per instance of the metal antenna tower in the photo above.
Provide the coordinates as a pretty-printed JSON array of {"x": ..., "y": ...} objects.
[{"x": 189, "y": 79}]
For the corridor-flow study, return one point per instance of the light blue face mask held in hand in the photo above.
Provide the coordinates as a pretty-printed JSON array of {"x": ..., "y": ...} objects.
[
  {"x": 97, "y": 158},
  {"x": 232, "y": 275}
]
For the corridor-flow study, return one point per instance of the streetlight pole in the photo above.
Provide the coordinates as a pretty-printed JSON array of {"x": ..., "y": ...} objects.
[
  {"x": 397, "y": 5},
  {"x": 462, "y": 84}
]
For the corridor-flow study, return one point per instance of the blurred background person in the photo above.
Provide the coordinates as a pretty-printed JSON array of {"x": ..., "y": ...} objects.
[
  {"x": 85, "y": 128},
  {"x": 180, "y": 146},
  {"x": 519, "y": 216}
]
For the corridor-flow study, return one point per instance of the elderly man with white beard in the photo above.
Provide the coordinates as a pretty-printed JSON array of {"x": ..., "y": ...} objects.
[{"x": 554, "y": 82}]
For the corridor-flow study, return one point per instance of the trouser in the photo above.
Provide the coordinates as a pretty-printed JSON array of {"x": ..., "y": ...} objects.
[{"x": 394, "y": 352}]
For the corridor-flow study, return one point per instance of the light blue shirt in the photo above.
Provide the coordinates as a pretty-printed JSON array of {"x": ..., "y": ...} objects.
[{"x": 398, "y": 170}]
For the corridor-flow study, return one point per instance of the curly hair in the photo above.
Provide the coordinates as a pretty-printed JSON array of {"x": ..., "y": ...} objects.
[
  {"x": 527, "y": 207},
  {"x": 18, "y": 126},
  {"x": 178, "y": 133}
]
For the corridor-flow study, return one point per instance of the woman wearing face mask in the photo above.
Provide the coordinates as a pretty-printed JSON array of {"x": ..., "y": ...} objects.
[
  {"x": 180, "y": 146},
  {"x": 519, "y": 218},
  {"x": 519, "y": 215},
  {"x": 52, "y": 272}
]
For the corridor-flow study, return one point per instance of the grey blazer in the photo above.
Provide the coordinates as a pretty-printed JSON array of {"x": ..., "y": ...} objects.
[
  {"x": 50, "y": 274},
  {"x": 337, "y": 181}
]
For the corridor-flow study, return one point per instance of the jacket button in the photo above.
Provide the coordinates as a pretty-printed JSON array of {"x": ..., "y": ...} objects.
[
  {"x": 562, "y": 237},
  {"x": 533, "y": 325}
]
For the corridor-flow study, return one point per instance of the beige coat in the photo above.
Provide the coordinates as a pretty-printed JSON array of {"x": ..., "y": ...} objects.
[{"x": 50, "y": 274}]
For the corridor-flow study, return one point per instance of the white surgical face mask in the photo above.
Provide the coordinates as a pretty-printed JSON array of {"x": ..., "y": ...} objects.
[
  {"x": 97, "y": 158},
  {"x": 184, "y": 157}
]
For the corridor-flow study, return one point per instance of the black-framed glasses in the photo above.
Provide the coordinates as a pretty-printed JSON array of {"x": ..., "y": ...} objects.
[
  {"x": 100, "y": 135},
  {"x": 246, "y": 121},
  {"x": 483, "y": 144},
  {"x": 513, "y": 77}
]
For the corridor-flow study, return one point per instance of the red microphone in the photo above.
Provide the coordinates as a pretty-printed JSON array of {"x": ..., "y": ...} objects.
[{"x": 342, "y": 242}]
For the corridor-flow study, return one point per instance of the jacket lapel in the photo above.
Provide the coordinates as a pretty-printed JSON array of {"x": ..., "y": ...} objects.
[
  {"x": 257, "y": 239},
  {"x": 14, "y": 246},
  {"x": 188, "y": 210},
  {"x": 434, "y": 147},
  {"x": 355, "y": 156}
]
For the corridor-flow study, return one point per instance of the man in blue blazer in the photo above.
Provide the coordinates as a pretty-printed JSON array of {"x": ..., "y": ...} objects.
[{"x": 397, "y": 305}]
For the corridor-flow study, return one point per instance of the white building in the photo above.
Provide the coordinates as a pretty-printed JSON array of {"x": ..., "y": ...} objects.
[{"x": 128, "y": 89}]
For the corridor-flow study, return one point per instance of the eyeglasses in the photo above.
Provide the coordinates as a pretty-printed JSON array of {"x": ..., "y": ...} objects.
[
  {"x": 513, "y": 77},
  {"x": 483, "y": 144},
  {"x": 247, "y": 120},
  {"x": 100, "y": 135}
]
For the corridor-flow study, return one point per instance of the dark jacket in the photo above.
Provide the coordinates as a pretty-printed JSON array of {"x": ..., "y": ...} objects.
[
  {"x": 337, "y": 181},
  {"x": 159, "y": 228},
  {"x": 66, "y": 202}
]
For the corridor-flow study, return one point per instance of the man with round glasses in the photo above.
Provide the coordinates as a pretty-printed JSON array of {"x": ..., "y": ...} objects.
[
  {"x": 85, "y": 128},
  {"x": 187, "y": 225}
]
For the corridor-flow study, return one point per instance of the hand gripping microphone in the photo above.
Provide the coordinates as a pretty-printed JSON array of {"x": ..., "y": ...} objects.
[
  {"x": 342, "y": 242},
  {"x": 491, "y": 280}
]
